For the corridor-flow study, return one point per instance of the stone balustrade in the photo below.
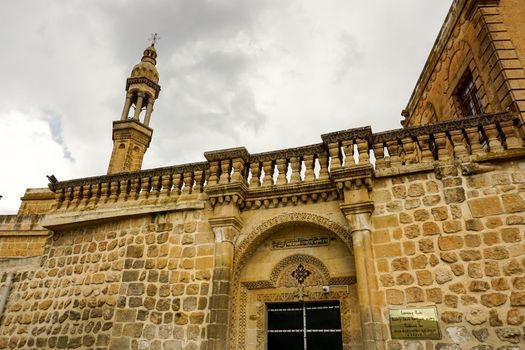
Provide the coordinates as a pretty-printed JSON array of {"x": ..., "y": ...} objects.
[
  {"x": 153, "y": 185},
  {"x": 411, "y": 149}
]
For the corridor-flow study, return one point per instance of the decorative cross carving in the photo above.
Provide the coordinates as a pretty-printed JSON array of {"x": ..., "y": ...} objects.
[{"x": 300, "y": 273}]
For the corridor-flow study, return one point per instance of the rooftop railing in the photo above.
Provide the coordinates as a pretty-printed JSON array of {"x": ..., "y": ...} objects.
[{"x": 478, "y": 137}]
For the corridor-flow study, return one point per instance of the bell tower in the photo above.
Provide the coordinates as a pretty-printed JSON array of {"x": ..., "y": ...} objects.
[{"x": 132, "y": 134}]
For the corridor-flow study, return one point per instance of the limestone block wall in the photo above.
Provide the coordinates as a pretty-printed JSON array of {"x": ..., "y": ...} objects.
[
  {"x": 21, "y": 236},
  {"x": 458, "y": 242},
  {"x": 138, "y": 283},
  {"x": 485, "y": 37}
]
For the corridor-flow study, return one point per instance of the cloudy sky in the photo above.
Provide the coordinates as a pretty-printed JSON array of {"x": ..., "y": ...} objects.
[{"x": 264, "y": 74}]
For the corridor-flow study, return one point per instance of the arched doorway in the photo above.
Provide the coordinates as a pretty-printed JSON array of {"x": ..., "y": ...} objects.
[{"x": 305, "y": 265}]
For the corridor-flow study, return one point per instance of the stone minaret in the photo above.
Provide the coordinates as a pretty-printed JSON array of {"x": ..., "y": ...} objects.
[{"x": 132, "y": 134}]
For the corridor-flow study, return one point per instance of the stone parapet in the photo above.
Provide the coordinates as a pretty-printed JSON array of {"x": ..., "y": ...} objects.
[{"x": 302, "y": 174}]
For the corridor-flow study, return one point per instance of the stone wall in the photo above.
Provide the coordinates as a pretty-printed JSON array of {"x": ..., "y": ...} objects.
[
  {"x": 485, "y": 37},
  {"x": 455, "y": 240},
  {"x": 140, "y": 283},
  {"x": 22, "y": 236}
]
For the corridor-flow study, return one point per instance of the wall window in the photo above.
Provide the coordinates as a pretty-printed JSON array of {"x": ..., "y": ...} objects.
[{"x": 468, "y": 96}]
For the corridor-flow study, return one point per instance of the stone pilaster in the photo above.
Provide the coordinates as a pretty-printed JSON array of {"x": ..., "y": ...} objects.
[
  {"x": 225, "y": 228},
  {"x": 354, "y": 184}
]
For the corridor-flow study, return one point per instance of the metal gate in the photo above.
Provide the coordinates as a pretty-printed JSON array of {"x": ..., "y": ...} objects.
[{"x": 302, "y": 326}]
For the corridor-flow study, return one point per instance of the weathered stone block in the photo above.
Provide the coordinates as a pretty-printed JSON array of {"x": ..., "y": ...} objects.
[
  {"x": 424, "y": 278},
  {"x": 395, "y": 297},
  {"x": 452, "y": 226},
  {"x": 386, "y": 280},
  {"x": 493, "y": 299},
  {"x": 496, "y": 253},
  {"x": 479, "y": 286},
  {"x": 515, "y": 317},
  {"x": 450, "y": 242},
  {"x": 430, "y": 229},
  {"x": 449, "y": 257},
  {"x": 499, "y": 284},
  {"x": 513, "y": 203},
  {"x": 414, "y": 295},
  {"x": 517, "y": 299},
  {"x": 404, "y": 279},
  {"x": 511, "y": 335},
  {"x": 470, "y": 255},
  {"x": 452, "y": 317},
  {"x": 476, "y": 315},
  {"x": 481, "y": 334},
  {"x": 412, "y": 231},
  {"x": 454, "y": 195},
  {"x": 443, "y": 275},
  {"x": 388, "y": 250},
  {"x": 419, "y": 262},
  {"x": 421, "y": 215},
  {"x": 486, "y": 206},
  {"x": 426, "y": 245},
  {"x": 510, "y": 235},
  {"x": 434, "y": 295}
]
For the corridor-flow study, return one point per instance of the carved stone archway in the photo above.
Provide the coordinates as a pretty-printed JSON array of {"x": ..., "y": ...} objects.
[{"x": 278, "y": 286}]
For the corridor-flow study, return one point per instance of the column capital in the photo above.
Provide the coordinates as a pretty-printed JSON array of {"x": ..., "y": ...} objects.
[{"x": 225, "y": 228}]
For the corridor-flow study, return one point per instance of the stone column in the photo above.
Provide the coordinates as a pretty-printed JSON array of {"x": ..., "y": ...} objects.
[
  {"x": 138, "y": 106},
  {"x": 358, "y": 218},
  {"x": 149, "y": 110},
  {"x": 127, "y": 105},
  {"x": 225, "y": 229}
]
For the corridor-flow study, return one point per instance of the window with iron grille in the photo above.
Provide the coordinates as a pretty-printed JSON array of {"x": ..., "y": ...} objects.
[{"x": 468, "y": 96}]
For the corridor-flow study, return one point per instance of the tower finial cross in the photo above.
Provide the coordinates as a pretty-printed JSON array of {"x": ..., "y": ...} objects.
[{"x": 154, "y": 38}]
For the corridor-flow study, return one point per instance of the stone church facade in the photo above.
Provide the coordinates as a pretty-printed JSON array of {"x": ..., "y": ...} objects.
[{"x": 406, "y": 239}]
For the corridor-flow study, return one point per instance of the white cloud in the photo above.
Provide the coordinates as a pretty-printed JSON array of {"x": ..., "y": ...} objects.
[
  {"x": 28, "y": 154},
  {"x": 262, "y": 74}
]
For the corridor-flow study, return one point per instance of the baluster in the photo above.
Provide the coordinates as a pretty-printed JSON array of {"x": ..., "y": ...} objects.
[
  {"x": 494, "y": 140},
  {"x": 77, "y": 195},
  {"x": 188, "y": 182},
  {"x": 458, "y": 142},
  {"x": 379, "y": 153},
  {"x": 166, "y": 185},
  {"x": 335, "y": 155},
  {"x": 394, "y": 153},
  {"x": 199, "y": 181},
  {"x": 511, "y": 134},
  {"x": 309, "y": 164},
  {"x": 255, "y": 169},
  {"x": 295, "y": 164},
  {"x": 214, "y": 173},
  {"x": 155, "y": 186},
  {"x": 441, "y": 143},
  {"x": 281, "y": 166},
  {"x": 113, "y": 189},
  {"x": 362, "y": 148},
  {"x": 177, "y": 184},
  {"x": 268, "y": 173},
  {"x": 408, "y": 147},
  {"x": 95, "y": 195},
  {"x": 134, "y": 188},
  {"x": 474, "y": 140},
  {"x": 323, "y": 165},
  {"x": 348, "y": 148},
  {"x": 144, "y": 188},
  {"x": 104, "y": 192},
  {"x": 225, "y": 171},
  {"x": 124, "y": 190},
  {"x": 238, "y": 168},
  {"x": 424, "y": 145},
  {"x": 59, "y": 198},
  {"x": 68, "y": 195},
  {"x": 86, "y": 195}
]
